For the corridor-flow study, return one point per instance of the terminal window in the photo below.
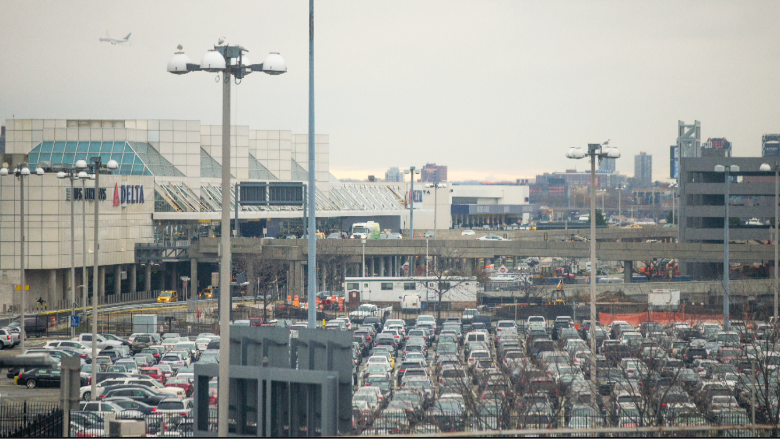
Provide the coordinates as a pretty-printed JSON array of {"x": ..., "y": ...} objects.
[
  {"x": 409, "y": 286},
  {"x": 387, "y": 285}
]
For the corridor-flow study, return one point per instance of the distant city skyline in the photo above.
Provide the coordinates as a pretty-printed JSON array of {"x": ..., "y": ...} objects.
[{"x": 392, "y": 85}]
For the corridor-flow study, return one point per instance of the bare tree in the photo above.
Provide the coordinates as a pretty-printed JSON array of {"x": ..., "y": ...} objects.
[
  {"x": 446, "y": 278},
  {"x": 265, "y": 271}
]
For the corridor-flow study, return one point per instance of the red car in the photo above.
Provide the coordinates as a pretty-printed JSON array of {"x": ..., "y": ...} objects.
[
  {"x": 156, "y": 373},
  {"x": 182, "y": 383}
]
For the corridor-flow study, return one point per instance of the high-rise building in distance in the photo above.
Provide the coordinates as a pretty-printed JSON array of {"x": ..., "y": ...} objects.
[
  {"x": 431, "y": 173},
  {"x": 607, "y": 165},
  {"x": 394, "y": 175},
  {"x": 643, "y": 170}
]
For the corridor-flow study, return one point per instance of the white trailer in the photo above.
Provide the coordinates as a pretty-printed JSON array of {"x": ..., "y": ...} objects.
[
  {"x": 393, "y": 289},
  {"x": 663, "y": 300}
]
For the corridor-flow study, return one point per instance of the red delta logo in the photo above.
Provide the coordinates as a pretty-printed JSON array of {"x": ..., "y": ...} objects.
[{"x": 116, "y": 194}]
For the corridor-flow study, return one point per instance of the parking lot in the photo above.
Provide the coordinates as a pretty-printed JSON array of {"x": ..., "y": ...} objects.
[{"x": 467, "y": 373}]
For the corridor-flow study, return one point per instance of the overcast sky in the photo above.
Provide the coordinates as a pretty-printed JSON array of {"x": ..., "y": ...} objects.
[{"x": 492, "y": 89}]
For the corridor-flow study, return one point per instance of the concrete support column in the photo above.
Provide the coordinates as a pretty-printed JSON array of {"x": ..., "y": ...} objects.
[
  {"x": 194, "y": 287},
  {"x": 101, "y": 284},
  {"x": 381, "y": 266},
  {"x": 343, "y": 271},
  {"x": 52, "y": 290},
  {"x": 148, "y": 277},
  {"x": 174, "y": 277},
  {"x": 371, "y": 271},
  {"x": 628, "y": 271},
  {"x": 323, "y": 277},
  {"x": 117, "y": 280},
  {"x": 133, "y": 277}
]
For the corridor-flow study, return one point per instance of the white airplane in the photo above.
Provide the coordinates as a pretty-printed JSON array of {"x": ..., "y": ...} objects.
[{"x": 114, "y": 40}]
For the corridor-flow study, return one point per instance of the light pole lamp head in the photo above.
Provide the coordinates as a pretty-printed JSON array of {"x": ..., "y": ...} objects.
[
  {"x": 83, "y": 175},
  {"x": 733, "y": 168},
  {"x": 61, "y": 175},
  {"x": 39, "y": 171},
  {"x": 81, "y": 164},
  {"x": 178, "y": 63},
  {"x": 765, "y": 167},
  {"x": 612, "y": 153},
  {"x": 3, "y": 172},
  {"x": 575, "y": 153},
  {"x": 720, "y": 168},
  {"x": 112, "y": 164},
  {"x": 25, "y": 171},
  {"x": 212, "y": 61},
  {"x": 274, "y": 64}
]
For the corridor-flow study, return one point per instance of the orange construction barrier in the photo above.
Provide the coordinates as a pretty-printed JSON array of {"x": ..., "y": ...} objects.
[
  {"x": 660, "y": 317},
  {"x": 53, "y": 321},
  {"x": 341, "y": 304},
  {"x": 198, "y": 312},
  {"x": 296, "y": 302}
]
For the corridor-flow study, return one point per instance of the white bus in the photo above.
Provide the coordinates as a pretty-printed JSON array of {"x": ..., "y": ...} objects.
[{"x": 393, "y": 289}]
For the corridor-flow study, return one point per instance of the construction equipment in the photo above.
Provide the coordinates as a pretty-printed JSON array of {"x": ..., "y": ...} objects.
[{"x": 558, "y": 296}]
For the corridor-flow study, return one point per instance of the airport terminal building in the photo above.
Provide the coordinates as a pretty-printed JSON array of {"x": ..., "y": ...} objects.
[
  {"x": 167, "y": 193},
  {"x": 167, "y": 190}
]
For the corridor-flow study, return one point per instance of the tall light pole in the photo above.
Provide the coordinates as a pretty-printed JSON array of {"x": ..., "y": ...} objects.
[
  {"x": 96, "y": 167},
  {"x": 596, "y": 152},
  {"x": 726, "y": 316},
  {"x": 83, "y": 176},
  {"x": 435, "y": 187},
  {"x": 363, "y": 241},
  {"x": 620, "y": 196},
  {"x": 72, "y": 175},
  {"x": 20, "y": 172},
  {"x": 768, "y": 168},
  {"x": 229, "y": 61},
  {"x": 413, "y": 172}
]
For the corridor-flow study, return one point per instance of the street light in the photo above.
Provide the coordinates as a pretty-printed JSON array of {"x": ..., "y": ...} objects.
[
  {"x": 620, "y": 196},
  {"x": 769, "y": 168},
  {"x": 228, "y": 60},
  {"x": 726, "y": 317},
  {"x": 96, "y": 166},
  {"x": 413, "y": 172},
  {"x": 20, "y": 172},
  {"x": 436, "y": 187},
  {"x": 72, "y": 175},
  {"x": 596, "y": 152},
  {"x": 83, "y": 176},
  {"x": 674, "y": 187}
]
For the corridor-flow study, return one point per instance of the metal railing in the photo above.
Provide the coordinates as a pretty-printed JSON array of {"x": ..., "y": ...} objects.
[{"x": 23, "y": 419}]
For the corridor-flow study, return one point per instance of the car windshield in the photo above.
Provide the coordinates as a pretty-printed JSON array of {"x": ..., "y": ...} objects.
[{"x": 165, "y": 294}]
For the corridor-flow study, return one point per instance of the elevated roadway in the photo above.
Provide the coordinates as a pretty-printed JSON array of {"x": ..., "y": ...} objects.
[{"x": 205, "y": 250}]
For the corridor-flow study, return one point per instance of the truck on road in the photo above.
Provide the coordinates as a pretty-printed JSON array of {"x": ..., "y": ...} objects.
[
  {"x": 102, "y": 342},
  {"x": 369, "y": 310},
  {"x": 367, "y": 230}
]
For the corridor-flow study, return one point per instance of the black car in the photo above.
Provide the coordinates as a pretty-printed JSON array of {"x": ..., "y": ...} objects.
[
  {"x": 131, "y": 404},
  {"x": 40, "y": 378}
]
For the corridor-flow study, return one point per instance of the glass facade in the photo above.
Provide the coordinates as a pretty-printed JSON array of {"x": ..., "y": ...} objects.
[
  {"x": 298, "y": 173},
  {"x": 257, "y": 171},
  {"x": 134, "y": 158},
  {"x": 210, "y": 168}
]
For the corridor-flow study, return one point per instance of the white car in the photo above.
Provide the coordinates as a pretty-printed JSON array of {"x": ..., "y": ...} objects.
[
  {"x": 202, "y": 343},
  {"x": 491, "y": 238},
  {"x": 100, "y": 408},
  {"x": 129, "y": 364},
  {"x": 174, "y": 360},
  {"x": 345, "y": 320},
  {"x": 170, "y": 343},
  {"x": 467, "y": 232},
  {"x": 176, "y": 406},
  {"x": 72, "y": 345}
]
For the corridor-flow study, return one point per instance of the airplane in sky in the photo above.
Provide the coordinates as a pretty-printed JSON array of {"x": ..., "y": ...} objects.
[{"x": 114, "y": 40}]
